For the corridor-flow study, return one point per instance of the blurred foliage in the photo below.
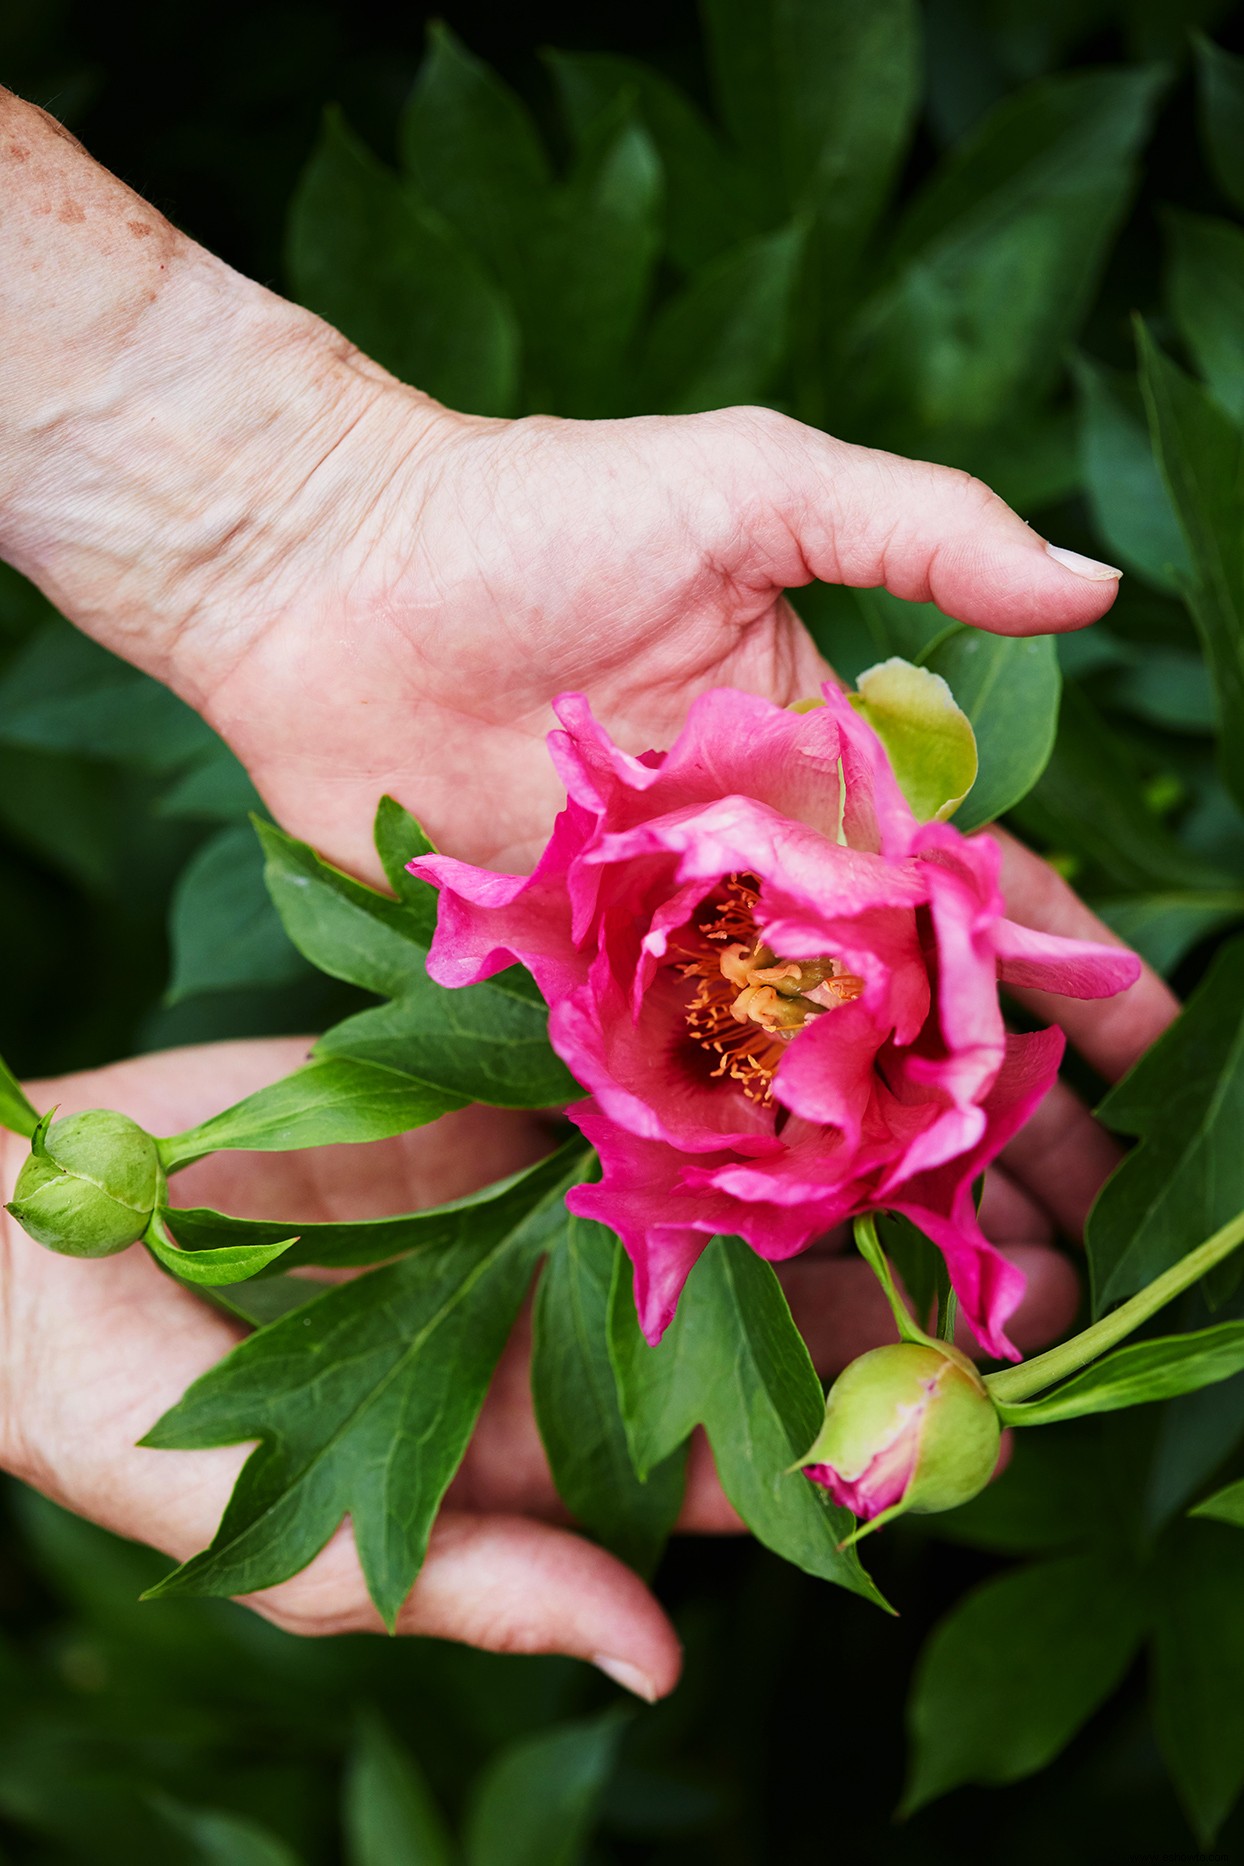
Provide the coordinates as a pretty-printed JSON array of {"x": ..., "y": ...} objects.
[{"x": 941, "y": 228}]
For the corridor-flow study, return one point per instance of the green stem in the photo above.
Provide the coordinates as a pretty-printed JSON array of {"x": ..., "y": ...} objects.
[
  {"x": 869, "y": 1246},
  {"x": 1019, "y": 1383}
]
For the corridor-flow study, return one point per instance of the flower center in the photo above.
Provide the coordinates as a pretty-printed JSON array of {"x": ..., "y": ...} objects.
[{"x": 749, "y": 1002}]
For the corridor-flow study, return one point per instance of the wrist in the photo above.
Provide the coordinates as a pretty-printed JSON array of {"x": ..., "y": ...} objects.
[{"x": 169, "y": 430}]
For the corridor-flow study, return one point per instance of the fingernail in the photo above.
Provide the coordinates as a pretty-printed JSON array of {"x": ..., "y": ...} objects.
[
  {"x": 627, "y": 1675},
  {"x": 1083, "y": 566}
]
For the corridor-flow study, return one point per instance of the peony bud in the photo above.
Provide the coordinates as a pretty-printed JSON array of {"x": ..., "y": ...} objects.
[
  {"x": 90, "y": 1185},
  {"x": 906, "y": 1427}
]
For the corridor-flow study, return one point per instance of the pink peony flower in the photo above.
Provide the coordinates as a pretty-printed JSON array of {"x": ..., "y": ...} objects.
[{"x": 778, "y": 987}]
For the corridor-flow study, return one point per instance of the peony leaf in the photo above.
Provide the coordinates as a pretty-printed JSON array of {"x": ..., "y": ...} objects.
[
  {"x": 1225, "y": 1506},
  {"x": 1008, "y": 687},
  {"x": 16, "y": 1112},
  {"x": 333, "y": 1101},
  {"x": 1198, "y": 1660},
  {"x": 363, "y": 1401},
  {"x": 927, "y": 736},
  {"x": 1139, "y": 1374},
  {"x": 1015, "y": 1669},
  {"x": 1185, "y": 1101},
  {"x": 232, "y": 1263},
  {"x": 390, "y": 1816},
  {"x": 733, "y": 1361},
  {"x": 487, "y": 1042},
  {"x": 576, "y": 1400},
  {"x": 535, "y": 1804}
]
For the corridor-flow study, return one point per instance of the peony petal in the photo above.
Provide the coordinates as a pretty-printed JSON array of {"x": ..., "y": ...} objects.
[{"x": 1046, "y": 962}]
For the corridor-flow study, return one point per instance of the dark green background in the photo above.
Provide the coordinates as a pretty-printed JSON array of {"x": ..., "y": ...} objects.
[{"x": 786, "y": 1740}]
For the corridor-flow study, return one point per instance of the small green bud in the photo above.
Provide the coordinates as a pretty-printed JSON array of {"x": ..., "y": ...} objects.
[
  {"x": 90, "y": 1185},
  {"x": 907, "y": 1427}
]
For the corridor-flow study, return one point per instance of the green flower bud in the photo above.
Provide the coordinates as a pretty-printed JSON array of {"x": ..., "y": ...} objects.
[
  {"x": 90, "y": 1185},
  {"x": 907, "y": 1427}
]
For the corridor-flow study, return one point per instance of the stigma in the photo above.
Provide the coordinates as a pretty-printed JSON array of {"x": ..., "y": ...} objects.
[{"x": 749, "y": 1002}]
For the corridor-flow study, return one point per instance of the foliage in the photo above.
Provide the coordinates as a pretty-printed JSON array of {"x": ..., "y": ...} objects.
[{"x": 954, "y": 280}]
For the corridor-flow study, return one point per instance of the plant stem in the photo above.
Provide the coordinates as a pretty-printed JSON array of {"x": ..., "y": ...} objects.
[
  {"x": 1018, "y": 1383},
  {"x": 869, "y": 1246}
]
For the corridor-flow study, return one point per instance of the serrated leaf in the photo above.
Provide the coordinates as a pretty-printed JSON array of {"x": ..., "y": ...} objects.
[
  {"x": 733, "y": 1361},
  {"x": 536, "y": 1803},
  {"x": 1201, "y": 453},
  {"x": 390, "y": 1817},
  {"x": 232, "y": 1263},
  {"x": 722, "y": 339},
  {"x": 224, "y": 931},
  {"x": 473, "y": 153},
  {"x": 927, "y": 736},
  {"x": 1138, "y": 1374},
  {"x": 1198, "y": 1663},
  {"x": 486, "y": 1042},
  {"x": 333, "y": 1101},
  {"x": 576, "y": 1402},
  {"x": 1126, "y": 494},
  {"x": 356, "y": 1243},
  {"x": 16, "y": 1111},
  {"x": 364, "y": 252},
  {"x": 1185, "y": 1100},
  {"x": 1015, "y": 1669},
  {"x": 1008, "y": 687},
  {"x": 363, "y": 1402}
]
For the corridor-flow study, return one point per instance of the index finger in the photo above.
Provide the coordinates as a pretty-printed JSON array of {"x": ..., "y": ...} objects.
[{"x": 1110, "y": 1033}]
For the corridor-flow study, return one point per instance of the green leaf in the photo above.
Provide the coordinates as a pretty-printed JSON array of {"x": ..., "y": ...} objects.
[
  {"x": 708, "y": 192},
  {"x": 16, "y": 1112},
  {"x": 63, "y": 692},
  {"x": 1225, "y": 1506},
  {"x": 927, "y": 736},
  {"x": 588, "y": 271},
  {"x": 473, "y": 153},
  {"x": 1015, "y": 1669},
  {"x": 1205, "y": 287},
  {"x": 1127, "y": 497},
  {"x": 363, "y": 1402},
  {"x": 1162, "y": 928},
  {"x": 1138, "y": 1374},
  {"x": 1221, "y": 100},
  {"x": 356, "y": 1243},
  {"x": 821, "y": 96},
  {"x": 536, "y": 1803},
  {"x": 215, "y": 788},
  {"x": 390, "y": 1817},
  {"x": 399, "y": 841},
  {"x": 229, "y": 1264},
  {"x": 1008, "y": 686},
  {"x": 217, "y": 1838},
  {"x": 332, "y": 1101},
  {"x": 1201, "y": 452},
  {"x": 224, "y": 931},
  {"x": 997, "y": 260},
  {"x": 722, "y": 339},
  {"x": 364, "y": 252},
  {"x": 1091, "y": 801},
  {"x": 733, "y": 1361},
  {"x": 486, "y": 1042},
  {"x": 1185, "y": 1099},
  {"x": 1198, "y": 1663},
  {"x": 576, "y": 1401}
]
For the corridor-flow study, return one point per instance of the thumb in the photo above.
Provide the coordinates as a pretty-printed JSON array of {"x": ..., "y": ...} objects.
[{"x": 838, "y": 513}]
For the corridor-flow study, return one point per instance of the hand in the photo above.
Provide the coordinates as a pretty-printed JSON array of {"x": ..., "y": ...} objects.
[{"x": 92, "y": 1352}]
